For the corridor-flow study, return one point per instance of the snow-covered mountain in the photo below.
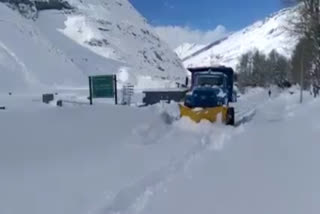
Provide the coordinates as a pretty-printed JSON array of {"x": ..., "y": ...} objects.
[
  {"x": 60, "y": 42},
  {"x": 188, "y": 49},
  {"x": 271, "y": 33}
]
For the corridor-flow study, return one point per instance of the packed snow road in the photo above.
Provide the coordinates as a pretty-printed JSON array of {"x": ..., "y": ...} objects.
[{"x": 108, "y": 159}]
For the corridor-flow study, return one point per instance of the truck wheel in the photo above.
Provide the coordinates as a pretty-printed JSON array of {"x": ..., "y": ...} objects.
[{"x": 230, "y": 116}]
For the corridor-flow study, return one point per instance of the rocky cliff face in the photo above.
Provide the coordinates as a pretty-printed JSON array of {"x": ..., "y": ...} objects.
[{"x": 30, "y": 8}]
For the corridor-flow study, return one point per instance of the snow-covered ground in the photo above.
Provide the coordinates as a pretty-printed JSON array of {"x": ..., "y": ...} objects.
[
  {"x": 114, "y": 159},
  {"x": 269, "y": 165}
]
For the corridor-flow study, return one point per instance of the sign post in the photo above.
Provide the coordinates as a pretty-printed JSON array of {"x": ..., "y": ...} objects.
[
  {"x": 115, "y": 89},
  {"x": 104, "y": 86},
  {"x": 90, "y": 90},
  {"x": 301, "y": 76}
]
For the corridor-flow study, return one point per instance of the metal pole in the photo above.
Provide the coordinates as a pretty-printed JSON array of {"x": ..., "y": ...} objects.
[
  {"x": 301, "y": 77},
  {"x": 115, "y": 89},
  {"x": 90, "y": 90},
  {"x": 187, "y": 81}
]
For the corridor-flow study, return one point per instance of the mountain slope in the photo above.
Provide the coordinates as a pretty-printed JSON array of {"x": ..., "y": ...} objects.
[
  {"x": 57, "y": 43},
  {"x": 28, "y": 59},
  {"x": 188, "y": 49},
  {"x": 266, "y": 35}
]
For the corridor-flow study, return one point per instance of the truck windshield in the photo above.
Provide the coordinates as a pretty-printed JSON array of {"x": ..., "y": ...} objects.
[{"x": 209, "y": 80}]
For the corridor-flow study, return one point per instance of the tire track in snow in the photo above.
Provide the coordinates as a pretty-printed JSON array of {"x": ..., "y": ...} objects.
[
  {"x": 134, "y": 198},
  {"x": 246, "y": 109},
  {"x": 244, "y": 117}
]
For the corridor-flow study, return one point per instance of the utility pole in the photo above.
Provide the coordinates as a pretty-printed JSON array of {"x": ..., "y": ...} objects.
[{"x": 301, "y": 77}]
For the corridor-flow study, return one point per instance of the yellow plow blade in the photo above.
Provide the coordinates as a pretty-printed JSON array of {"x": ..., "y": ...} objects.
[{"x": 210, "y": 114}]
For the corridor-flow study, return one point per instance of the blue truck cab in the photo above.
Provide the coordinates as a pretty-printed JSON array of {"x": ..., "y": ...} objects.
[{"x": 210, "y": 87}]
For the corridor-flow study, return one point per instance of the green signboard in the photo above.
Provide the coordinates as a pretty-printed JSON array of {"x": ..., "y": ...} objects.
[{"x": 103, "y": 86}]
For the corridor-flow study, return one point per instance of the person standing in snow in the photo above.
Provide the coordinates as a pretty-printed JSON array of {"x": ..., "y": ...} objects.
[
  {"x": 269, "y": 92},
  {"x": 315, "y": 91}
]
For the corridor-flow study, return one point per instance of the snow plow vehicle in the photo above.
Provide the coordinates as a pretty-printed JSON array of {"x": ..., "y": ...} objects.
[{"x": 209, "y": 96}]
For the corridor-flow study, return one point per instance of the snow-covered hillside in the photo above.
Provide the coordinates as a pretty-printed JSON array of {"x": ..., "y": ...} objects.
[
  {"x": 49, "y": 46},
  {"x": 271, "y": 33},
  {"x": 187, "y": 49}
]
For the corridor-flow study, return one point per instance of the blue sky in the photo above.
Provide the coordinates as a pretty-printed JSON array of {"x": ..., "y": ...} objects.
[
  {"x": 206, "y": 14},
  {"x": 202, "y": 21}
]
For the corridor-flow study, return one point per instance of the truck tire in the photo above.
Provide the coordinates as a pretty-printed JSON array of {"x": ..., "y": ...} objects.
[{"x": 230, "y": 116}]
